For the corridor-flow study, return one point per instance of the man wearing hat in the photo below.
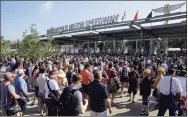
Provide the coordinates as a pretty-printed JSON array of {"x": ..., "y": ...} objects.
[
  {"x": 8, "y": 92},
  {"x": 62, "y": 80},
  {"x": 21, "y": 89}
]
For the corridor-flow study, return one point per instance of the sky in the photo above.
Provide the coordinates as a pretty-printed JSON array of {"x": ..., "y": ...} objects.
[{"x": 17, "y": 16}]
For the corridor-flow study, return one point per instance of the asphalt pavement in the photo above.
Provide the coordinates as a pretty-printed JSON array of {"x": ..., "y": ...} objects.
[{"x": 120, "y": 108}]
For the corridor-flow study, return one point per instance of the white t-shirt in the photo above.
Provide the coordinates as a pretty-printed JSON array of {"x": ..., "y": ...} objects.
[
  {"x": 164, "y": 85},
  {"x": 41, "y": 81},
  {"x": 53, "y": 85},
  {"x": 183, "y": 82}
]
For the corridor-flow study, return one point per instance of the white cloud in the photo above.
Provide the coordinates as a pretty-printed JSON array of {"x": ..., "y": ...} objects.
[{"x": 47, "y": 6}]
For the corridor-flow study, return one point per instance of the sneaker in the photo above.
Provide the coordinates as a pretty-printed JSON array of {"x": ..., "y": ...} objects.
[
  {"x": 133, "y": 101},
  {"x": 129, "y": 100}
]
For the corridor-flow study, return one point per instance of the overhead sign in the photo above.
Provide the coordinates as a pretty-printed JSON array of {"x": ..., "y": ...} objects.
[
  {"x": 167, "y": 8},
  {"x": 87, "y": 24}
]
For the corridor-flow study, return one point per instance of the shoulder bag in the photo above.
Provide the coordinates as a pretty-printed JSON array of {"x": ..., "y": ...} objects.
[
  {"x": 53, "y": 94},
  {"x": 13, "y": 109}
]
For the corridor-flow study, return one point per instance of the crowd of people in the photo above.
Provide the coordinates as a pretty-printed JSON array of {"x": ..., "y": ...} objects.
[{"x": 67, "y": 85}]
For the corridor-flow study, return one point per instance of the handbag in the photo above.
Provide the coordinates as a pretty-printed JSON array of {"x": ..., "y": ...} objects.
[{"x": 13, "y": 109}]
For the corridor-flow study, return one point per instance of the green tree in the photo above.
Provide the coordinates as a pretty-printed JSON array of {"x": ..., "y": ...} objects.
[
  {"x": 5, "y": 46},
  {"x": 33, "y": 48}
]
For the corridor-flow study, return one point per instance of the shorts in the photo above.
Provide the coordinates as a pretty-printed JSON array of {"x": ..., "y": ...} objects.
[
  {"x": 145, "y": 100},
  {"x": 132, "y": 90},
  {"x": 36, "y": 91},
  {"x": 23, "y": 104},
  {"x": 85, "y": 88},
  {"x": 125, "y": 79},
  {"x": 41, "y": 99},
  {"x": 104, "y": 114}
]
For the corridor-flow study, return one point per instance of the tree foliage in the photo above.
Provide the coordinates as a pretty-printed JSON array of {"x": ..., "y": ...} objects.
[
  {"x": 32, "y": 48},
  {"x": 5, "y": 46}
]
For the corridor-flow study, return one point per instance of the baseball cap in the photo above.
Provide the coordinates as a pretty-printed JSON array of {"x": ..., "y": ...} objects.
[
  {"x": 20, "y": 71},
  {"x": 95, "y": 68},
  {"x": 161, "y": 69},
  {"x": 148, "y": 71},
  {"x": 9, "y": 75}
]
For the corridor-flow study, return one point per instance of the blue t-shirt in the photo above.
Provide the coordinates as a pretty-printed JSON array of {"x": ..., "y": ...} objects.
[
  {"x": 28, "y": 71},
  {"x": 20, "y": 83},
  {"x": 97, "y": 92}
]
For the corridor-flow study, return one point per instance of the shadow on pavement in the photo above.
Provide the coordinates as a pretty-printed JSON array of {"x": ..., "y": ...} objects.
[
  {"x": 133, "y": 109},
  {"x": 31, "y": 111}
]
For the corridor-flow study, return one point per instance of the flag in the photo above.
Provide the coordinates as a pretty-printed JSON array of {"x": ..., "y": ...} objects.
[
  {"x": 124, "y": 15},
  {"x": 149, "y": 16},
  {"x": 136, "y": 16}
]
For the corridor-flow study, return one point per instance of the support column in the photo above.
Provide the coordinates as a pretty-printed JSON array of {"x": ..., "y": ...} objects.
[
  {"x": 125, "y": 49},
  {"x": 95, "y": 48},
  {"x": 151, "y": 47},
  {"x": 88, "y": 47},
  {"x": 155, "y": 50},
  {"x": 114, "y": 45},
  {"x": 122, "y": 47},
  {"x": 104, "y": 44},
  {"x": 136, "y": 46},
  {"x": 165, "y": 46},
  {"x": 65, "y": 49}
]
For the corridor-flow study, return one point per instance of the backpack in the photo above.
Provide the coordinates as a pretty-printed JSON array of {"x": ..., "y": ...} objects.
[
  {"x": 66, "y": 105},
  {"x": 133, "y": 77},
  {"x": 124, "y": 73},
  {"x": 115, "y": 85}
]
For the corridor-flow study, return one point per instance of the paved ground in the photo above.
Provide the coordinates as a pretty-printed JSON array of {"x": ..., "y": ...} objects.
[{"x": 121, "y": 107}]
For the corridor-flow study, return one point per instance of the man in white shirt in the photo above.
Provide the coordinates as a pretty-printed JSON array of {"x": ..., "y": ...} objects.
[
  {"x": 183, "y": 82},
  {"x": 167, "y": 98},
  {"x": 55, "y": 89},
  {"x": 41, "y": 81}
]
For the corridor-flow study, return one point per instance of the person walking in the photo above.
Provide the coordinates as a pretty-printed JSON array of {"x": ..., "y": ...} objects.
[
  {"x": 170, "y": 91},
  {"x": 71, "y": 102},
  {"x": 70, "y": 74},
  {"x": 86, "y": 75},
  {"x": 21, "y": 89},
  {"x": 52, "y": 92},
  {"x": 133, "y": 83},
  {"x": 98, "y": 95},
  {"x": 10, "y": 96},
  {"x": 41, "y": 81},
  {"x": 124, "y": 76},
  {"x": 145, "y": 89}
]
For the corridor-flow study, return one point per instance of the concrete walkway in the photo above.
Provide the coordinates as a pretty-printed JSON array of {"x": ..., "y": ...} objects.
[{"x": 121, "y": 107}]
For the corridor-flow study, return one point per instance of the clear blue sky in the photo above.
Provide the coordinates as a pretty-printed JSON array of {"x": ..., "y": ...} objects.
[{"x": 16, "y": 16}]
